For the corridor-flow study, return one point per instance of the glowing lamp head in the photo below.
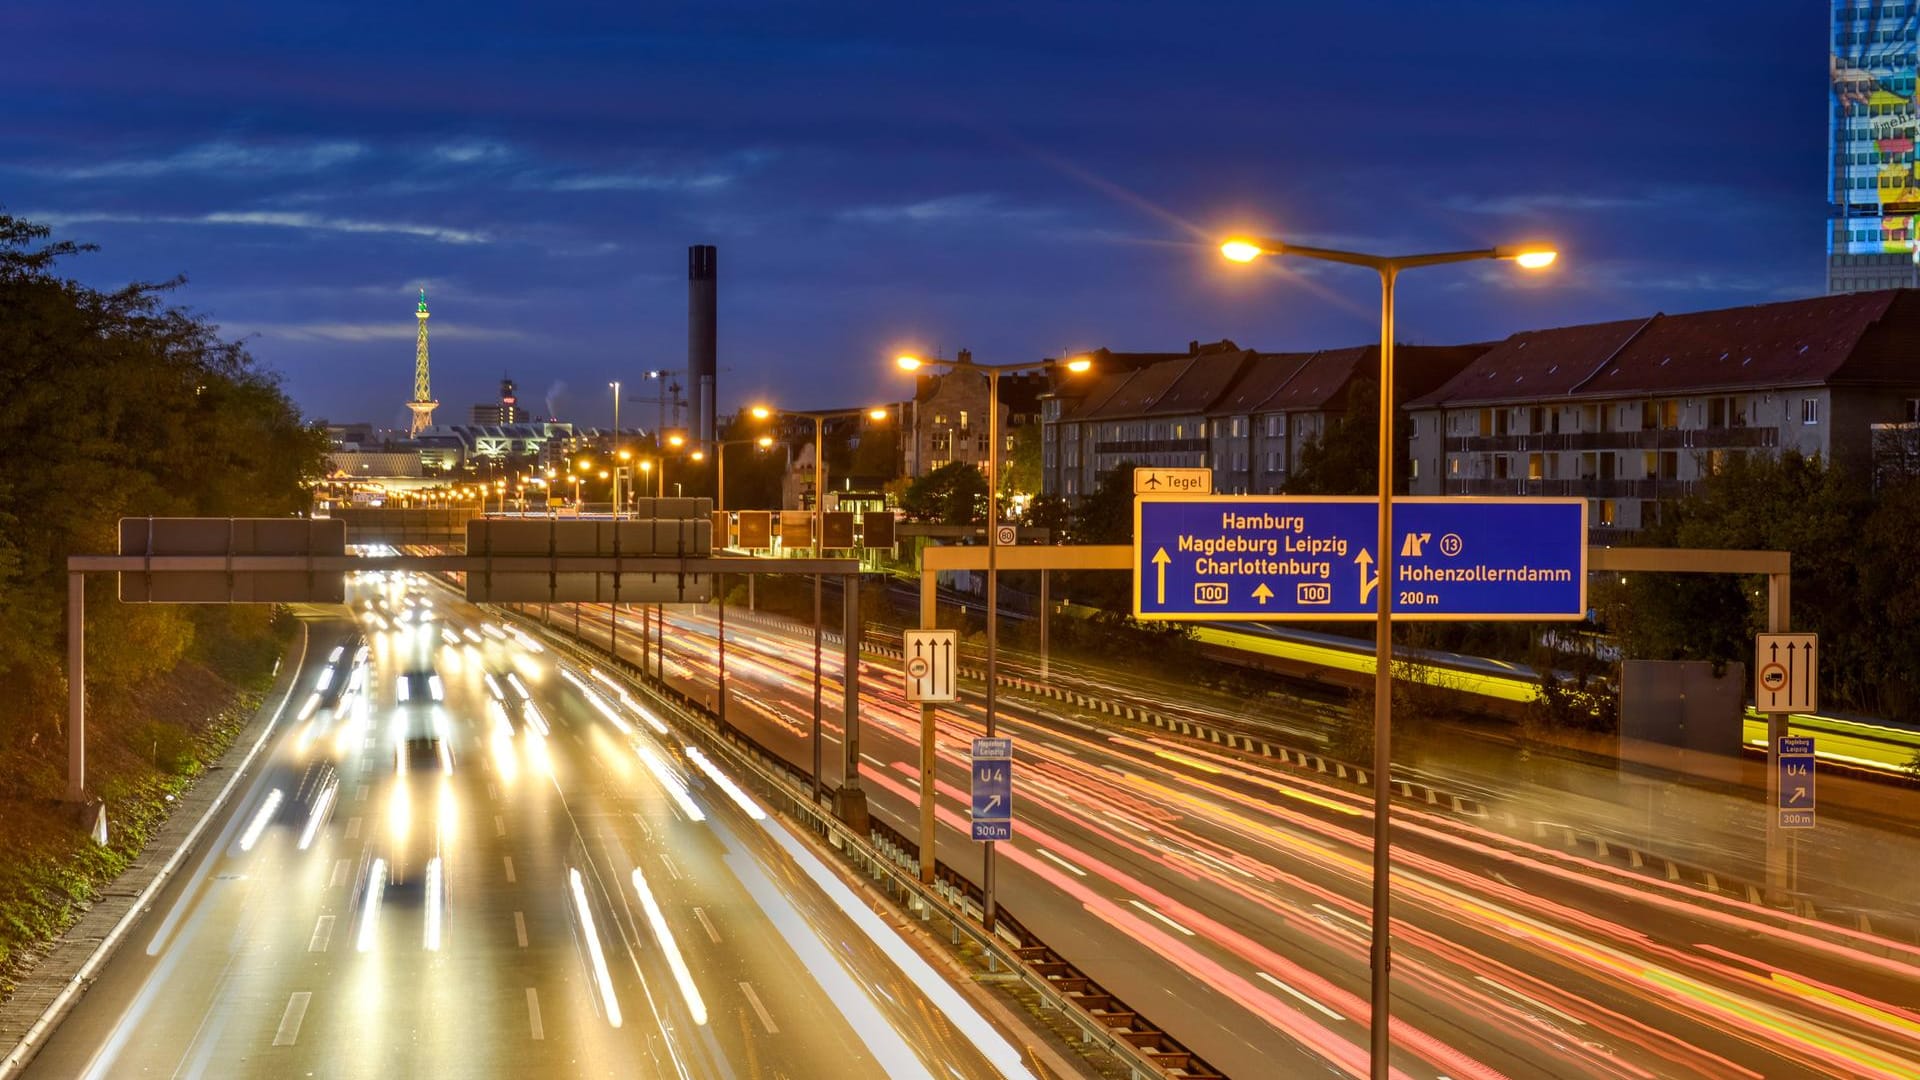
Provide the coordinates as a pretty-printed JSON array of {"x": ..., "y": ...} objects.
[
  {"x": 698, "y": 455},
  {"x": 764, "y": 441},
  {"x": 760, "y": 412},
  {"x": 876, "y": 414},
  {"x": 646, "y": 466},
  {"x": 1079, "y": 364},
  {"x": 676, "y": 440},
  {"x": 1536, "y": 260},
  {"x": 1242, "y": 251},
  {"x": 603, "y": 474},
  {"x": 626, "y": 455},
  {"x": 907, "y": 362}
]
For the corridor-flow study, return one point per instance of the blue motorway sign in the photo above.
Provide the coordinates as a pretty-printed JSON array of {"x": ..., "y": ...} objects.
[
  {"x": 1795, "y": 759},
  {"x": 993, "y": 789},
  {"x": 1280, "y": 557}
]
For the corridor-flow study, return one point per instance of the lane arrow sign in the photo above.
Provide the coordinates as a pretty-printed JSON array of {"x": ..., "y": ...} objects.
[
  {"x": 1160, "y": 560},
  {"x": 1365, "y": 559},
  {"x": 1263, "y": 594}
]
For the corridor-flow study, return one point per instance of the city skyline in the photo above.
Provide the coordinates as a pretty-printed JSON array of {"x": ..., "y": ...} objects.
[{"x": 886, "y": 213}]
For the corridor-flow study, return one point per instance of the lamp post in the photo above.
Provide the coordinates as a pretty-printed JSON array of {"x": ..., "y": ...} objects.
[
  {"x": 720, "y": 463},
  {"x": 615, "y": 447},
  {"x": 850, "y": 782},
  {"x": 994, "y": 453},
  {"x": 1531, "y": 257}
]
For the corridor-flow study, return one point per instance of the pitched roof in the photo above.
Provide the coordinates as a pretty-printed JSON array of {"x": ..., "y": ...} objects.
[{"x": 1859, "y": 338}]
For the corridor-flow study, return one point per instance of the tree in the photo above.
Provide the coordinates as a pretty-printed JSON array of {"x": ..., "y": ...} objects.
[
  {"x": 1052, "y": 513},
  {"x": 953, "y": 494},
  {"x": 1106, "y": 515},
  {"x": 1345, "y": 459},
  {"x": 1023, "y": 477},
  {"x": 155, "y": 415}
]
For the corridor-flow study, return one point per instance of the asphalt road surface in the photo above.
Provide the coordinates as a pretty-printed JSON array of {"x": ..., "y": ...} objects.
[{"x": 550, "y": 887}]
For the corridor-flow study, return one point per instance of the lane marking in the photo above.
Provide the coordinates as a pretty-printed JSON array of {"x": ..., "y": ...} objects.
[
  {"x": 289, "y": 1029},
  {"x": 646, "y": 831},
  {"x": 322, "y": 934},
  {"x": 1044, "y": 853},
  {"x": 499, "y": 826},
  {"x": 706, "y": 924},
  {"x": 507, "y": 861},
  {"x": 1536, "y": 1003},
  {"x": 1149, "y": 910},
  {"x": 533, "y": 1013},
  {"x": 759, "y": 1010},
  {"x": 353, "y": 824},
  {"x": 1297, "y": 995},
  {"x": 1333, "y": 913},
  {"x": 492, "y": 792},
  {"x": 360, "y": 793},
  {"x": 520, "y": 929},
  {"x": 671, "y": 869},
  {"x": 339, "y": 874}
]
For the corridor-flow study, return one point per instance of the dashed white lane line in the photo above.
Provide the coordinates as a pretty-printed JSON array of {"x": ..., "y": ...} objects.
[
  {"x": 499, "y": 825},
  {"x": 520, "y": 929},
  {"x": 706, "y": 924},
  {"x": 1297, "y": 995},
  {"x": 533, "y": 1014},
  {"x": 759, "y": 1010},
  {"x": 339, "y": 877},
  {"x": 671, "y": 869},
  {"x": 1536, "y": 1003},
  {"x": 492, "y": 792},
  {"x": 507, "y": 862},
  {"x": 1072, "y": 869},
  {"x": 353, "y": 826},
  {"x": 1150, "y": 911},
  {"x": 360, "y": 793},
  {"x": 289, "y": 1029},
  {"x": 322, "y": 934}
]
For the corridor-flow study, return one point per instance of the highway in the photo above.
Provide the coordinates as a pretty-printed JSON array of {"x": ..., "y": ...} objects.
[
  {"x": 553, "y": 886},
  {"x": 1227, "y": 902}
]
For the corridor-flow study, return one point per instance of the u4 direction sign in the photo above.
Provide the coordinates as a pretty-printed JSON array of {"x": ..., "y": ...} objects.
[{"x": 1199, "y": 558}]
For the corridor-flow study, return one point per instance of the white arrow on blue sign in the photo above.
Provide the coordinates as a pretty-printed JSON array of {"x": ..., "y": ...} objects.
[
  {"x": 1796, "y": 764},
  {"x": 1200, "y": 558},
  {"x": 993, "y": 789}
]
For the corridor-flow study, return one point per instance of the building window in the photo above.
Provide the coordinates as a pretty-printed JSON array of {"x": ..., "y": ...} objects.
[
  {"x": 1536, "y": 466},
  {"x": 963, "y": 419},
  {"x": 1602, "y": 510},
  {"x": 1413, "y": 469},
  {"x": 1809, "y": 410},
  {"x": 1453, "y": 466}
]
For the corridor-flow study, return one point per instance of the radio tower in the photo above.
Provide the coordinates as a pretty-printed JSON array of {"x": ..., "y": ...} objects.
[{"x": 422, "y": 404}]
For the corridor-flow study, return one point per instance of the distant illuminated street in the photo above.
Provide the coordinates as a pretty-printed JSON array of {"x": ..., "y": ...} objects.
[
  {"x": 577, "y": 896},
  {"x": 1227, "y": 902}
]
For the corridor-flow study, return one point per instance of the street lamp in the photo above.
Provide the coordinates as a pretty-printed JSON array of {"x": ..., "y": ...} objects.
[
  {"x": 615, "y": 445},
  {"x": 1528, "y": 256},
  {"x": 763, "y": 442},
  {"x": 1075, "y": 365}
]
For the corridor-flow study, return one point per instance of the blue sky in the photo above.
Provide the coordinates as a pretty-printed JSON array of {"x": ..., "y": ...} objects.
[{"x": 1021, "y": 179}]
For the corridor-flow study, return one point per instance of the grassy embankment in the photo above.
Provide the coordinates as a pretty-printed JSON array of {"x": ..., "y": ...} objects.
[{"x": 145, "y": 745}]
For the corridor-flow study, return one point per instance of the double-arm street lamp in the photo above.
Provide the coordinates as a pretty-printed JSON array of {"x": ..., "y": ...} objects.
[
  {"x": 876, "y": 414},
  {"x": 720, "y": 463},
  {"x": 1531, "y": 257},
  {"x": 994, "y": 453}
]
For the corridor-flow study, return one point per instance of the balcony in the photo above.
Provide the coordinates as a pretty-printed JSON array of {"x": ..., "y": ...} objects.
[
  {"x": 1151, "y": 446},
  {"x": 1722, "y": 438},
  {"x": 1582, "y": 488}
]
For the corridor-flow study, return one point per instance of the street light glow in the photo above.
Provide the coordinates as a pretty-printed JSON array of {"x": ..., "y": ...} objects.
[
  {"x": 907, "y": 363},
  {"x": 698, "y": 455},
  {"x": 1536, "y": 260},
  {"x": 760, "y": 412},
  {"x": 1242, "y": 250},
  {"x": 876, "y": 414},
  {"x": 676, "y": 440},
  {"x": 764, "y": 441},
  {"x": 1079, "y": 364}
]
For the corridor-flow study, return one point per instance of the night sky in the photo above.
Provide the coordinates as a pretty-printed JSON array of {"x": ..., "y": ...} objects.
[{"x": 1022, "y": 179}]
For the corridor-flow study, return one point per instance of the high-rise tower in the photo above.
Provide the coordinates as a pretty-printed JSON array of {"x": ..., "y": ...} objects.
[
  {"x": 702, "y": 338},
  {"x": 1873, "y": 189},
  {"x": 422, "y": 405}
]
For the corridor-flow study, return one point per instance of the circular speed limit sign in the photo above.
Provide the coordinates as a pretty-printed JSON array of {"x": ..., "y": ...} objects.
[{"x": 917, "y": 668}]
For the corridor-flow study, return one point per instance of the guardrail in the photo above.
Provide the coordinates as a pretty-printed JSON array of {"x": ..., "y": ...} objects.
[{"x": 892, "y": 861}]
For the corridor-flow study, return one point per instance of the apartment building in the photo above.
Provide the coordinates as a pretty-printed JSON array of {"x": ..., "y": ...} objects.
[{"x": 1632, "y": 414}]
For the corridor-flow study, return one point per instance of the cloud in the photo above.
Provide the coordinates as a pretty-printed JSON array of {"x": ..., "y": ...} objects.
[
  {"x": 472, "y": 151},
  {"x": 945, "y": 209},
  {"x": 267, "y": 219},
  {"x": 218, "y": 158},
  {"x": 642, "y": 181},
  {"x": 1550, "y": 202},
  {"x": 396, "y": 330}
]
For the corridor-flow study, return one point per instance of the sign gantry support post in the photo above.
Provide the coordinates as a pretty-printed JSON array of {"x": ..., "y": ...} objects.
[
  {"x": 76, "y": 688},
  {"x": 852, "y": 798}
]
